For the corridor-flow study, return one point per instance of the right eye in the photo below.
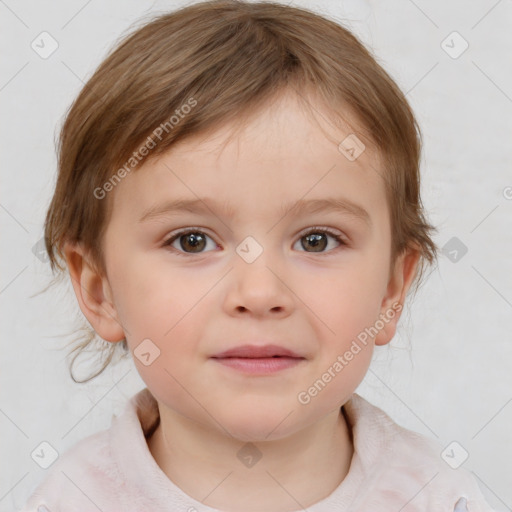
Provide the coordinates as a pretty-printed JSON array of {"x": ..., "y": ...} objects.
[{"x": 189, "y": 239}]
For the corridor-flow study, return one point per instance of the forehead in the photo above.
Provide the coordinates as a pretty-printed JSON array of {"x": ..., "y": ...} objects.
[
  {"x": 287, "y": 151},
  {"x": 287, "y": 122}
]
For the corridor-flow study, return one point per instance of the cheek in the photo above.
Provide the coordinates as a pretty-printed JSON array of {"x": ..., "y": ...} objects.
[
  {"x": 152, "y": 298},
  {"x": 162, "y": 305},
  {"x": 345, "y": 300}
]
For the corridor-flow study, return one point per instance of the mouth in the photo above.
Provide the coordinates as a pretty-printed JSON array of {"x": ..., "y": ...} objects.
[{"x": 255, "y": 359}]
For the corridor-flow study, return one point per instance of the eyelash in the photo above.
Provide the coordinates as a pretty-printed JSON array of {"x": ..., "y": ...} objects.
[{"x": 317, "y": 229}]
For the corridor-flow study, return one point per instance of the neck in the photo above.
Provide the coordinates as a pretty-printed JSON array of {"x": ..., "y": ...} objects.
[{"x": 291, "y": 473}]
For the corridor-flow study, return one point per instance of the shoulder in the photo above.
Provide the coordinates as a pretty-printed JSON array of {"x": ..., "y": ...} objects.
[
  {"x": 104, "y": 470},
  {"x": 86, "y": 469},
  {"x": 406, "y": 469}
]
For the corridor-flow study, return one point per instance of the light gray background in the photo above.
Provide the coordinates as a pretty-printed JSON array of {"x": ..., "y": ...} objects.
[{"x": 455, "y": 382}]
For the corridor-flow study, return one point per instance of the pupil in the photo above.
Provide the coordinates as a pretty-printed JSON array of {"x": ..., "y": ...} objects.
[
  {"x": 193, "y": 240},
  {"x": 315, "y": 239}
]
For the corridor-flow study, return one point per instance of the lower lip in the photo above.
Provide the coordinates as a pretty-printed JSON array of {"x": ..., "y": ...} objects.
[{"x": 263, "y": 365}]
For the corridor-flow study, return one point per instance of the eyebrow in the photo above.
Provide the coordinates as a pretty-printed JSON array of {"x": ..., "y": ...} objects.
[{"x": 300, "y": 207}]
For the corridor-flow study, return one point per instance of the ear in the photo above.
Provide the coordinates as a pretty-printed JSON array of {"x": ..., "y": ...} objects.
[
  {"x": 93, "y": 293},
  {"x": 399, "y": 283}
]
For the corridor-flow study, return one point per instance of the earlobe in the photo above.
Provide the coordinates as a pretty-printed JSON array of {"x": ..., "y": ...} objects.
[
  {"x": 93, "y": 293},
  {"x": 398, "y": 285}
]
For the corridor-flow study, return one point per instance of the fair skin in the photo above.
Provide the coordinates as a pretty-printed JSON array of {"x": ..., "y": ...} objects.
[{"x": 196, "y": 304}]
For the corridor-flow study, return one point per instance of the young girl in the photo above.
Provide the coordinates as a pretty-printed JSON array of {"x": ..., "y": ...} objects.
[{"x": 238, "y": 206}]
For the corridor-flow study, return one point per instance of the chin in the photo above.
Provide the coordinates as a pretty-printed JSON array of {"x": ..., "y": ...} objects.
[{"x": 258, "y": 425}]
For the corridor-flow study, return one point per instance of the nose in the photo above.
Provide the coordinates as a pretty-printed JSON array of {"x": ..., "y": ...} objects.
[{"x": 259, "y": 288}]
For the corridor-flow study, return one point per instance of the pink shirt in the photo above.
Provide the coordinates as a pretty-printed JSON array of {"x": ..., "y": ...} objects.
[{"x": 392, "y": 469}]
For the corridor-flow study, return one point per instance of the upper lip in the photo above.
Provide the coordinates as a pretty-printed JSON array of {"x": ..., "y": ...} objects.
[{"x": 257, "y": 351}]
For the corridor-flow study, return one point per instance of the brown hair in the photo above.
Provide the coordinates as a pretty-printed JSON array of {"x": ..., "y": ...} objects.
[{"x": 223, "y": 59}]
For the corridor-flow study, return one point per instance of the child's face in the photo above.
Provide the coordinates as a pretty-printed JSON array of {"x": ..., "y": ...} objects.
[{"x": 312, "y": 299}]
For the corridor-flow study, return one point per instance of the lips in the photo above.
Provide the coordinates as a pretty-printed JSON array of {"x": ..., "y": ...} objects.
[{"x": 257, "y": 352}]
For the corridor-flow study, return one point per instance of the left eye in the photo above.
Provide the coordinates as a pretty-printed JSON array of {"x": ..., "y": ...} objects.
[
  {"x": 194, "y": 241},
  {"x": 317, "y": 239}
]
